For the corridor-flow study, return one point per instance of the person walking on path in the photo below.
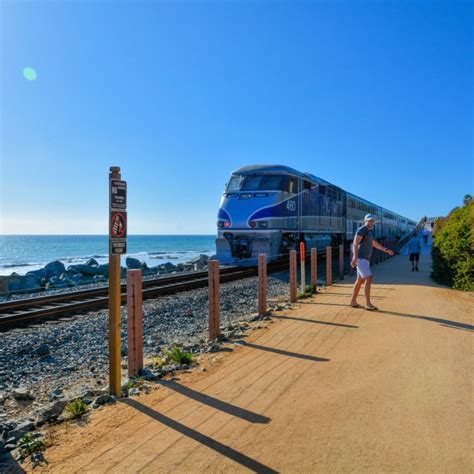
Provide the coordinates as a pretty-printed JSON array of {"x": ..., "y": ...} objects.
[
  {"x": 426, "y": 234},
  {"x": 364, "y": 242},
  {"x": 414, "y": 250}
]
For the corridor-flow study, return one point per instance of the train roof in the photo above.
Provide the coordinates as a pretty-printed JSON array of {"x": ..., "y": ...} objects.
[
  {"x": 274, "y": 169},
  {"x": 281, "y": 169}
]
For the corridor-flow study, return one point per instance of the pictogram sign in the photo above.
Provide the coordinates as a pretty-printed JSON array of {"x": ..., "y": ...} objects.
[{"x": 118, "y": 225}]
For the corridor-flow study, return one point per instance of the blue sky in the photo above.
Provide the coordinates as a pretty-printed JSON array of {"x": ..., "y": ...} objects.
[{"x": 376, "y": 97}]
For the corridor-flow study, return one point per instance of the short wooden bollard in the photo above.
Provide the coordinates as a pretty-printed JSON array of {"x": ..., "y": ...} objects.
[
  {"x": 328, "y": 266},
  {"x": 341, "y": 261},
  {"x": 214, "y": 306},
  {"x": 134, "y": 322},
  {"x": 262, "y": 284},
  {"x": 314, "y": 267},
  {"x": 293, "y": 277}
]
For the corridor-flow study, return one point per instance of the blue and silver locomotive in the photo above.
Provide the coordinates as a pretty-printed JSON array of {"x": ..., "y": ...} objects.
[{"x": 272, "y": 208}]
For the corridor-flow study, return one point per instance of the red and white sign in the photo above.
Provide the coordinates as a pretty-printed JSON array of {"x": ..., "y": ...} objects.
[{"x": 118, "y": 225}]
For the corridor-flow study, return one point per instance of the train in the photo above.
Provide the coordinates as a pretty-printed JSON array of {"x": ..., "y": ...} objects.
[{"x": 272, "y": 208}]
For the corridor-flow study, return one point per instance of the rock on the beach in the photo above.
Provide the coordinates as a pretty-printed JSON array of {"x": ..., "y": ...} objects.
[
  {"x": 56, "y": 282},
  {"x": 103, "y": 270},
  {"x": 21, "y": 283},
  {"x": 92, "y": 262},
  {"x": 4, "y": 285},
  {"x": 84, "y": 269},
  {"x": 199, "y": 262},
  {"x": 54, "y": 268},
  {"x": 133, "y": 263}
]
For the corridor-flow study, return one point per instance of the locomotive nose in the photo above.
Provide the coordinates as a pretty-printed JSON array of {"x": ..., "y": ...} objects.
[{"x": 236, "y": 209}]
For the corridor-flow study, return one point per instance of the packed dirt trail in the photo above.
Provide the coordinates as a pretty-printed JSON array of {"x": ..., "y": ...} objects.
[{"x": 323, "y": 388}]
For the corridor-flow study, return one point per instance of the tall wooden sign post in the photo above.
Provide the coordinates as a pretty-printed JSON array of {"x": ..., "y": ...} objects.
[{"x": 117, "y": 247}]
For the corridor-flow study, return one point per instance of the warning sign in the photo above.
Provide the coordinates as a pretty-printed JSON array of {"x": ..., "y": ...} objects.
[
  {"x": 118, "y": 225},
  {"x": 118, "y": 195},
  {"x": 118, "y": 246}
]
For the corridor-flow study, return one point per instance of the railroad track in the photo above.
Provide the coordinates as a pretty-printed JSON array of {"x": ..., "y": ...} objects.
[{"x": 17, "y": 312}]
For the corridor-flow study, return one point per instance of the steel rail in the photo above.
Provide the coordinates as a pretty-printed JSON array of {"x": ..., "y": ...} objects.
[{"x": 74, "y": 302}]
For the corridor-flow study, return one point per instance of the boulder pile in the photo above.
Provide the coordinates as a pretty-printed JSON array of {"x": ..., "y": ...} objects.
[{"x": 55, "y": 276}]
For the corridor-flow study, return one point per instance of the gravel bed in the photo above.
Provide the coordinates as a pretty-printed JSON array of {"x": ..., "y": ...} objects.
[{"x": 71, "y": 354}]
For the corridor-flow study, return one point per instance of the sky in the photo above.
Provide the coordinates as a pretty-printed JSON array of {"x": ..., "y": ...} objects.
[{"x": 376, "y": 97}]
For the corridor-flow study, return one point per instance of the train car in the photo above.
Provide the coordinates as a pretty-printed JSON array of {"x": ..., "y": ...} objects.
[{"x": 272, "y": 208}]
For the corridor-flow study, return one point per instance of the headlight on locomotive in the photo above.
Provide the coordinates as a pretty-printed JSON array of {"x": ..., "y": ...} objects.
[{"x": 263, "y": 224}]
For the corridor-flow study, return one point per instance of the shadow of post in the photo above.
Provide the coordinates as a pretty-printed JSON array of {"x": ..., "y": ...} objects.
[
  {"x": 280, "y": 316},
  {"x": 443, "y": 322},
  {"x": 215, "y": 402},
  {"x": 281, "y": 351},
  {"x": 221, "y": 448}
]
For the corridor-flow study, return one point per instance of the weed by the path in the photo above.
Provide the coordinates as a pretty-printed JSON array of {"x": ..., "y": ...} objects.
[
  {"x": 309, "y": 291},
  {"x": 29, "y": 445},
  {"x": 134, "y": 383},
  {"x": 173, "y": 356},
  {"x": 77, "y": 408}
]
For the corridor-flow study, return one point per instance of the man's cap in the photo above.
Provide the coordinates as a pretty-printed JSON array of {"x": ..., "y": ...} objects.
[{"x": 368, "y": 217}]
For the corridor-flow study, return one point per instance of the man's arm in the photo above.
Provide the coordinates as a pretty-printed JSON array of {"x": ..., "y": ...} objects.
[
  {"x": 357, "y": 241},
  {"x": 376, "y": 245}
]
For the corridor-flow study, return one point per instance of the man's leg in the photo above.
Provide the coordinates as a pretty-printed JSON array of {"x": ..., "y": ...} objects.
[
  {"x": 368, "y": 284},
  {"x": 355, "y": 291}
]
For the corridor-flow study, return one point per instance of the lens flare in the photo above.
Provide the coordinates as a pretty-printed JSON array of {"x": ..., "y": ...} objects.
[{"x": 29, "y": 74}]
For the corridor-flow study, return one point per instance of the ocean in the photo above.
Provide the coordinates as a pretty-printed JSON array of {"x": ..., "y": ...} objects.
[{"x": 23, "y": 253}]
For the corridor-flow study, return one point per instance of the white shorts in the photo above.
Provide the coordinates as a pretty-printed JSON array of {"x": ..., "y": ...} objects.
[{"x": 363, "y": 268}]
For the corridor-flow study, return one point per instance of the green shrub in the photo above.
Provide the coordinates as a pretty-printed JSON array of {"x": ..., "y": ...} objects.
[
  {"x": 453, "y": 248},
  {"x": 178, "y": 356},
  {"x": 158, "y": 362},
  {"x": 310, "y": 290},
  {"x": 77, "y": 408},
  {"x": 29, "y": 445}
]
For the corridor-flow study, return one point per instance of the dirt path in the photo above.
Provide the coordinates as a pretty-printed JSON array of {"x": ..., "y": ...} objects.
[{"x": 324, "y": 388}]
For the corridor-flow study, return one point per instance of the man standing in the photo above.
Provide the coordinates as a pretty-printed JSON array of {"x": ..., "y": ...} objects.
[
  {"x": 426, "y": 234},
  {"x": 414, "y": 250},
  {"x": 364, "y": 242}
]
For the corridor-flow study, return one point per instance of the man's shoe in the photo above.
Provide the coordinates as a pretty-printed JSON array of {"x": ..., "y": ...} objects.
[
  {"x": 412, "y": 269},
  {"x": 417, "y": 269}
]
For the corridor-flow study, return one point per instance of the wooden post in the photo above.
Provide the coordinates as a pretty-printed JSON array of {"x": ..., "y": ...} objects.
[
  {"x": 341, "y": 261},
  {"x": 214, "y": 314},
  {"x": 134, "y": 322},
  {"x": 293, "y": 278},
  {"x": 115, "y": 376},
  {"x": 262, "y": 284},
  {"x": 303, "y": 270},
  {"x": 314, "y": 267},
  {"x": 328, "y": 266}
]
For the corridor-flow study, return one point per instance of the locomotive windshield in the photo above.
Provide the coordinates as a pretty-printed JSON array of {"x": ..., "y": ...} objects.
[{"x": 261, "y": 182}]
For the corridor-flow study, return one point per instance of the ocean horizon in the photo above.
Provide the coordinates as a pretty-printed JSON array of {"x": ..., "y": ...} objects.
[{"x": 24, "y": 253}]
